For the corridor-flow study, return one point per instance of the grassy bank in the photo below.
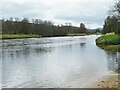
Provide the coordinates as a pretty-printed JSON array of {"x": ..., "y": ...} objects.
[
  {"x": 18, "y": 36},
  {"x": 109, "y": 42},
  {"x": 76, "y": 34}
]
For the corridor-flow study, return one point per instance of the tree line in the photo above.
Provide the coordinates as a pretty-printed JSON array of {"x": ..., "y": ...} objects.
[
  {"x": 38, "y": 26},
  {"x": 112, "y": 22}
]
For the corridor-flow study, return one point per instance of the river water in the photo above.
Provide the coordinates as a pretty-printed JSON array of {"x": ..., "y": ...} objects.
[{"x": 64, "y": 62}]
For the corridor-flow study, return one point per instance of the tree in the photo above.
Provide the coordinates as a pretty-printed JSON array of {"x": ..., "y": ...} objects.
[
  {"x": 116, "y": 12},
  {"x": 111, "y": 22},
  {"x": 83, "y": 28},
  {"x": 25, "y": 26},
  {"x": 116, "y": 8},
  {"x": 110, "y": 25}
]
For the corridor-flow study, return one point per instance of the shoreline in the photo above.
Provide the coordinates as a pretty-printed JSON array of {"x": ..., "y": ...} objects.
[
  {"x": 22, "y": 36},
  {"x": 19, "y": 36},
  {"x": 109, "y": 42},
  {"x": 108, "y": 81},
  {"x": 111, "y": 48}
]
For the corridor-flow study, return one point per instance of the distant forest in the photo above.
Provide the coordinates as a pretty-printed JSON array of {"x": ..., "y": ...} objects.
[{"x": 40, "y": 27}]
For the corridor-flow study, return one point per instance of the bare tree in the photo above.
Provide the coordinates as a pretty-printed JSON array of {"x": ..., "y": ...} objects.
[{"x": 115, "y": 11}]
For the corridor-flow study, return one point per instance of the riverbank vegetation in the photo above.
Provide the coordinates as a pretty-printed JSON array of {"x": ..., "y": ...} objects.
[
  {"x": 109, "y": 42},
  {"x": 77, "y": 34},
  {"x": 111, "y": 30},
  {"x": 18, "y": 36}
]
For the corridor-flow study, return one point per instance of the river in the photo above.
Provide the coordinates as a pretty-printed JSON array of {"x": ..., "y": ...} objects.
[{"x": 54, "y": 62}]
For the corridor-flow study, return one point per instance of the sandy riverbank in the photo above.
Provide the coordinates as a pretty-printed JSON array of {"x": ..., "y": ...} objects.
[{"x": 109, "y": 81}]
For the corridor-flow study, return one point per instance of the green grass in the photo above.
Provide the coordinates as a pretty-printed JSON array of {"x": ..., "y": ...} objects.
[
  {"x": 18, "y": 36},
  {"x": 109, "y": 42},
  {"x": 113, "y": 48},
  {"x": 76, "y": 34}
]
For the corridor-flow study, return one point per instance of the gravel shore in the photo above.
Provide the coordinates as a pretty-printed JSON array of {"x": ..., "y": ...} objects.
[{"x": 109, "y": 81}]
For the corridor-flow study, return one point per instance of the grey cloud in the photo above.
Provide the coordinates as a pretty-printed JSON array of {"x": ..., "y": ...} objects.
[
  {"x": 92, "y": 12},
  {"x": 30, "y": 10},
  {"x": 79, "y": 19}
]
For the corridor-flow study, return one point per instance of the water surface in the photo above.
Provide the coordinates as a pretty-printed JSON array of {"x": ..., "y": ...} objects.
[{"x": 54, "y": 62}]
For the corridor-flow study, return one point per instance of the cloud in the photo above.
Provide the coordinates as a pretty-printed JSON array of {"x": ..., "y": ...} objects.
[
  {"x": 91, "y": 12},
  {"x": 51, "y": 1}
]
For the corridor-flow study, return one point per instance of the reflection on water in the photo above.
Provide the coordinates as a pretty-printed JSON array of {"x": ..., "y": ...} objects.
[
  {"x": 24, "y": 52},
  {"x": 82, "y": 44},
  {"x": 55, "y": 62},
  {"x": 113, "y": 60}
]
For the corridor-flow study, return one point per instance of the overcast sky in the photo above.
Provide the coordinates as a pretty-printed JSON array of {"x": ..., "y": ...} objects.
[{"x": 90, "y": 12}]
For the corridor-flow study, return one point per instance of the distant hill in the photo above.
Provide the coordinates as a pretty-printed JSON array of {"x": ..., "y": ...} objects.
[{"x": 93, "y": 31}]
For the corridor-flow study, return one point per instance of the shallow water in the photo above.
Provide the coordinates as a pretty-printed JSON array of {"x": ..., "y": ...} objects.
[{"x": 54, "y": 62}]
